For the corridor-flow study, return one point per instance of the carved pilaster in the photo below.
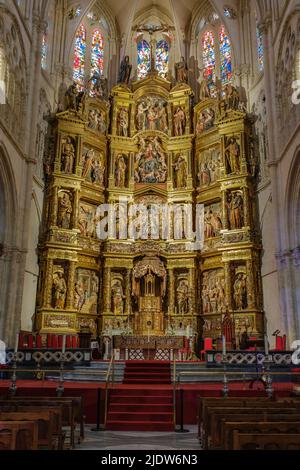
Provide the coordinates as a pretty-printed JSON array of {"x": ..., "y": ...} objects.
[
  {"x": 48, "y": 284},
  {"x": 107, "y": 289},
  {"x": 128, "y": 292},
  {"x": 171, "y": 292},
  {"x": 228, "y": 284},
  {"x": 250, "y": 285},
  {"x": 71, "y": 284}
]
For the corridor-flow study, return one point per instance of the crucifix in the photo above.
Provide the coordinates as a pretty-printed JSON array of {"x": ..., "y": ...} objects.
[{"x": 151, "y": 29}]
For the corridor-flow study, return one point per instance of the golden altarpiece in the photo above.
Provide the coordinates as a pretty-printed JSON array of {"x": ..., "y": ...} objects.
[{"x": 149, "y": 145}]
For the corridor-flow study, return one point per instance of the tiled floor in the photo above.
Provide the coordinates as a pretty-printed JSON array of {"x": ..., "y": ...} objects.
[{"x": 114, "y": 440}]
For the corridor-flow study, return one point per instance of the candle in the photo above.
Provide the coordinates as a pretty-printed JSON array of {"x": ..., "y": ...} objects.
[
  {"x": 148, "y": 335},
  {"x": 266, "y": 345},
  {"x": 188, "y": 331},
  {"x": 17, "y": 342},
  {"x": 63, "y": 349},
  {"x": 223, "y": 345}
]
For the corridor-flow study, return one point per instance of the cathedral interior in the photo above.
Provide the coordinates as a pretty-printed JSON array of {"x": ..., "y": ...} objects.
[
  {"x": 149, "y": 228},
  {"x": 139, "y": 105}
]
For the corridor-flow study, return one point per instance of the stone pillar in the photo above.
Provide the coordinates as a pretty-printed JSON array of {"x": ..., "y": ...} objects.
[
  {"x": 71, "y": 284},
  {"x": 171, "y": 290}
]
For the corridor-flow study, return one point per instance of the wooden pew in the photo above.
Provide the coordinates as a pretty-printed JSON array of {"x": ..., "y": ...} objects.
[
  {"x": 7, "y": 439},
  {"x": 245, "y": 441},
  {"x": 210, "y": 413},
  {"x": 257, "y": 427},
  {"x": 226, "y": 402},
  {"x": 67, "y": 406},
  {"x": 71, "y": 417},
  {"x": 48, "y": 420},
  {"x": 24, "y": 434}
]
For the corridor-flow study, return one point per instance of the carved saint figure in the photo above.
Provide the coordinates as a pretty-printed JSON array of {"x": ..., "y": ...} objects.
[
  {"x": 64, "y": 211},
  {"x": 78, "y": 295},
  {"x": 235, "y": 205},
  {"x": 123, "y": 122},
  {"x": 204, "y": 91},
  {"x": 68, "y": 156},
  {"x": 179, "y": 120},
  {"x": 232, "y": 97},
  {"x": 181, "y": 71},
  {"x": 71, "y": 97},
  {"x": 205, "y": 121},
  {"x": 180, "y": 169},
  {"x": 240, "y": 291},
  {"x": 120, "y": 171},
  {"x": 182, "y": 293},
  {"x": 150, "y": 162},
  {"x": 117, "y": 297},
  {"x": 59, "y": 290},
  {"x": 152, "y": 114},
  {"x": 125, "y": 70},
  {"x": 232, "y": 156},
  {"x": 97, "y": 172},
  {"x": 213, "y": 291},
  {"x": 212, "y": 222}
]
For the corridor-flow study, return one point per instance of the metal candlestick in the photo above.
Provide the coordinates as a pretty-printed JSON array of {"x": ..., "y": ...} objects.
[
  {"x": 60, "y": 388},
  {"x": 13, "y": 386},
  {"x": 225, "y": 379}
]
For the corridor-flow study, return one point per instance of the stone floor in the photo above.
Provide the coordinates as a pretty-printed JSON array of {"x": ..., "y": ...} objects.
[{"x": 117, "y": 440}]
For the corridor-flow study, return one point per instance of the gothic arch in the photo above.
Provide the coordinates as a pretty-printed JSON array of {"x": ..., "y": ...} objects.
[
  {"x": 292, "y": 203},
  {"x": 8, "y": 200}
]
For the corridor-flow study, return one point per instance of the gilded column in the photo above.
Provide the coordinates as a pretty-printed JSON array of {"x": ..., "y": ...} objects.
[
  {"x": 54, "y": 206},
  {"x": 75, "y": 209},
  {"x": 228, "y": 285},
  {"x": 71, "y": 284},
  {"x": 224, "y": 210},
  {"x": 171, "y": 291},
  {"x": 48, "y": 284},
  {"x": 250, "y": 285},
  {"x": 128, "y": 290},
  {"x": 192, "y": 290},
  {"x": 107, "y": 283},
  {"x": 247, "y": 211}
]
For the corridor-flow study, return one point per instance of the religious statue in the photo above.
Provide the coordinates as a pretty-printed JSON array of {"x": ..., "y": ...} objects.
[
  {"x": 86, "y": 220},
  {"x": 152, "y": 114},
  {"x": 212, "y": 221},
  {"x": 181, "y": 71},
  {"x": 213, "y": 291},
  {"x": 96, "y": 121},
  {"x": 232, "y": 156},
  {"x": 67, "y": 156},
  {"x": 179, "y": 120},
  {"x": 205, "y": 121},
  {"x": 232, "y": 97},
  {"x": 120, "y": 171},
  {"x": 204, "y": 91},
  {"x": 59, "y": 290},
  {"x": 122, "y": 122},
  {"x": 97, "y": 86},
  {"x": 117, "y": 297},
  {"x": 240, "y": 291},
  {"x": 209, "y": 162},
  {"x": 125, "y": 70},
  {"x": 88, "y": 162},
  {"x": 182, "y": 295},
  {"x": 235, "y": 206},
  {"x": 150, "y": 162},
  {"x": 180, "y": 169},
  {"x": 78, "y": 295},
  {"x": 71, "y": 97},
  {"x": 64, "y": 211},
  {"x": 97, "y": 171}
]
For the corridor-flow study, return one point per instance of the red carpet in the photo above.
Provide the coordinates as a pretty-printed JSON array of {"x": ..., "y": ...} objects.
[{"x": 143, "y": 409}]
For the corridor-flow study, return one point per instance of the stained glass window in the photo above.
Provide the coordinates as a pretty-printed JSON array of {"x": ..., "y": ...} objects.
[
  {"x": 44, "y": 51},
  {"x": 209, "y": 59},
  {"x": 97, "y": 53},
  {"x": 260, "y": 49},
  {"x": 162, "y": 58},
  {"x": 225, "y": 56},
  {"x": 79, "y": 56},
  {"x": 144, "y": 60}
]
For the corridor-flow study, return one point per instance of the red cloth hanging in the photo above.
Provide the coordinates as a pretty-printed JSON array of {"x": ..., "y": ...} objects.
[
  {"x": 74, "y": 342},
  {"x": 54, "y": 342},
  {"x": 30, "y": 341},
  {"x": 38, "y": 341},
  {"x": 68, "y": 342},
  {"x": 49, "y": 341}
]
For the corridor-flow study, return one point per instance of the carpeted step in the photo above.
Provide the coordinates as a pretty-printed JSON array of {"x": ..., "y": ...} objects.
[
  {"x": 147, "y": 416},
  {"x": 142, "y": 407},
  {"x": 142, "y": 375},
  {"x": 140, "y": 426},
  {"x": 139, "y": 399},
  {"x": 146, "y": 381},
  {"x": 141, "y": 391}
]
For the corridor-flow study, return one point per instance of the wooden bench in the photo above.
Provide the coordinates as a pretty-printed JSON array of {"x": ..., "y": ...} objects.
[
  {"x": 49, "y": 424},
  {"x": 246, "y": 441},
  {"x": 73, "y": 414},
  {"x": 23, "y": 435},
  {"x": 257, "y": 427}
]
